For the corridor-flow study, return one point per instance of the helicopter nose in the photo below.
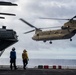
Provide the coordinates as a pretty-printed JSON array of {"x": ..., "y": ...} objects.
[{"x": 33, "y": 38}]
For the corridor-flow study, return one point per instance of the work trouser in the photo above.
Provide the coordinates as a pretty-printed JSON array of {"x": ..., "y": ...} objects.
[
  {"x": 25, "y": 62},
  {"x": 13, "y": 63}
]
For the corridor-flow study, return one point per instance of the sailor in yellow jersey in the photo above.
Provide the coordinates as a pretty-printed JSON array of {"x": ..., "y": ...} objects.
[{"x": 25, "y": 58}]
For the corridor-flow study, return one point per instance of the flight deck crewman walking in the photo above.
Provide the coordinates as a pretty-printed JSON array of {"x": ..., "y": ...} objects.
[
  {"x": 25, "y": 58},
  {"x": 13, "y": 59}
]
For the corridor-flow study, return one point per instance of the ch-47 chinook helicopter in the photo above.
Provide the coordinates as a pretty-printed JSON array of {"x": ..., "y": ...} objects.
[
  {"x": 67, "y": 31},
  {"x": 7, "y": 36}
]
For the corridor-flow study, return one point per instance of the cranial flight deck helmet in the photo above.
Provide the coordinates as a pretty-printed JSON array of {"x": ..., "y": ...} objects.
[
  {"x": 24, "y": 50},
  {"x": 13, "y": 48}
]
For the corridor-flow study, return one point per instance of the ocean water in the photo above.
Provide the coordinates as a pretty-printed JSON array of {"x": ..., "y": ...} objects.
[
  {"x": 36, "y": 62},
  {"x": 51, "y": 62}
]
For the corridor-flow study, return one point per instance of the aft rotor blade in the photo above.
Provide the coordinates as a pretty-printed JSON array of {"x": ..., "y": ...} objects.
[
  {"x": 28, "y": 23},
  {"x": 53, "y": 18},
  {"x": 7, "y": 14},
  {"x": 74, "y": 16},
  {"x": 2, "y": 17},
  {"x": 29, "y": 31},
  {"x": 7, "y": 3}
]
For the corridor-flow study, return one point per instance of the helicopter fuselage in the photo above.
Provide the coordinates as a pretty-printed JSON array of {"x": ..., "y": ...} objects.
[
  {"x": 8, "y": 37},
  {"x": 53, "y": 35}
]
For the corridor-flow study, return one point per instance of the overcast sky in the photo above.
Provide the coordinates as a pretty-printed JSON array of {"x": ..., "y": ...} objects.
[{"x": 31, "y": 10}]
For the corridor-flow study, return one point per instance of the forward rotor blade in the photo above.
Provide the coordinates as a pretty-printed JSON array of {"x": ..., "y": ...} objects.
[
  {"x": 7, "y": 3},
  {"x": 54, "y": 18},
  {"x": 7, "y": 14},
  {"x": 28, "y": 23},
  {"x": 73, "y": 17},
  {"x": 29, "y": 31},
  {"x": 2, "y": 17},
  {"x": 50, "y": 27}
]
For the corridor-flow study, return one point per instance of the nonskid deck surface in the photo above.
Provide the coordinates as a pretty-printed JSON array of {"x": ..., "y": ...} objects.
[{"x": 33, "y": 71}]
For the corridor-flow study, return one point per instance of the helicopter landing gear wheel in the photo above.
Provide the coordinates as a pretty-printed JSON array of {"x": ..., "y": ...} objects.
[
  {"x": 50, "y": 42},
  {"x": 70, "y": 39},
  {"x": 44, "y": 40}
]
